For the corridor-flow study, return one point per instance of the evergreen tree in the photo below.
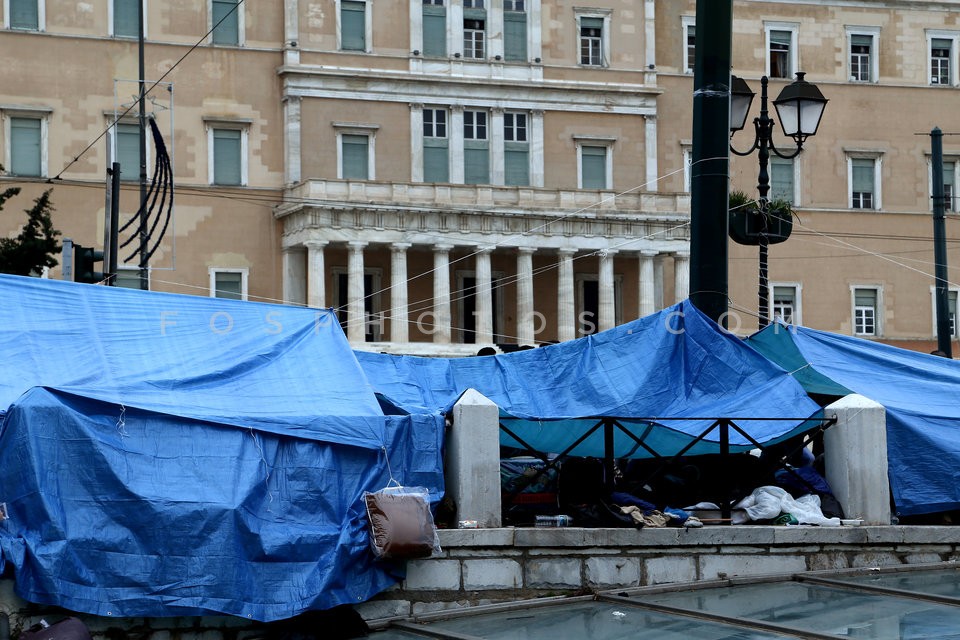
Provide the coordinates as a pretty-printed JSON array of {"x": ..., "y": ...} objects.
[{"x": 36, "y": 245}]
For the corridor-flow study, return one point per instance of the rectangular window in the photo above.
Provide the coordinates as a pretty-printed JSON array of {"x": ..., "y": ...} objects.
[
  {"x": 355, "y": 156},
  {"x": 476, "y": 151},
  {"x": 781, "y": 179},
  {"x": 949, "y": 184},
  {"x": 436, "y": 163},
  {"x": 227, "y": 157},
  {"x": 865, "y": 312},
  {"x": 940, "y": 56},
  {"x": 473, "y": 4},
  {"x": 467, "y": 308},
  {"x": 26, "y": 154},
  {"x": 226, "y": 21},
  {"x": 228, "y": 285},
  {"x": 371, "y": 303},
  {"x": 353, "y": 25},
  {"x": 434, "y": 29},
  {"x": 24, "y": 14},
  {"x": 780, "y": 42},
  {"x": 862, "y": 181},
  {"x": 691, "y": 49},
  {"x": 514, "y": 5},
  {"x": 126, "y": 18},
  {"x": 514, "y": 31},
  {"x": 861, "y": 50},
  {"x": 784, "y": 304},
  {"x": 516, "y": 151},
  {"x": 593, "y": 167},
  {"x": 588, "y": 302},
  {"x": 128, "y": 150},
  {"x": 474, "y": 36},
  {"x": 591, "y": 41}
]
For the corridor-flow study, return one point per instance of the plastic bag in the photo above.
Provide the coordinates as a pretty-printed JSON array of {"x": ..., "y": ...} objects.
[{"x": 401, "y": 524}]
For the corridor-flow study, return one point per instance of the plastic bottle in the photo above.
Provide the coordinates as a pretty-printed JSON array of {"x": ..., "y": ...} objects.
[{"x": 553, "y": 521}]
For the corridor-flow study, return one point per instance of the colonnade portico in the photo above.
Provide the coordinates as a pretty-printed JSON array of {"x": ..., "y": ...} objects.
[{"x": 306, "y": 276}]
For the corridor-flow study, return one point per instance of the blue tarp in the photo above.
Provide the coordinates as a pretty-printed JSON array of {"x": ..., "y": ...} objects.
[
  {"x": 675, "y": 370},
  {"x": 920, "y": 393},
  {"x": 167, "y": 455}
]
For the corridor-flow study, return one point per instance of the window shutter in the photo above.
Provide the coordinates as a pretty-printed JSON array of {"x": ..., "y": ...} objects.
[
  {"x": 228, "y": 285},
  {"x": 476, "y": 165},
  {"x": 862, "y": 175},
  {"x": 591, "y": 23},
  {"x": 781, "y": 180},
  {"x": 780, "y": 37},
  {"x": 126, "y": 18},
  {"x": 226, "y": 157},
  {"x": 355, "y": 157},
  {"x": 515, "y": 36},
  {"x": 593, "y": 163},
  {"x": 436, "y": 165},
  {"x": 857, "y": 40},
  {"x": 25, "y": 146},
  {"x": 128, "y": 150},
  {"x": 434, "y": 31},
  {"x": 228, "y": 31},
  {"x": 353, "y": 26},
  {"x": 516, "y": 167},
  {"x": 865, "y": 298},
  {"x": 940, "y": 43},
  {"x": 24, "y": 14}
]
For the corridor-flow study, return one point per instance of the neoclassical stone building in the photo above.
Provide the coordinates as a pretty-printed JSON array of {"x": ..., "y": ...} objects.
[{"x": 451, "y": 174}]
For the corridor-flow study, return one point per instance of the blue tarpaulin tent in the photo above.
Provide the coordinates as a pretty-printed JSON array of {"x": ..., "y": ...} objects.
[
  {"x": 169, "y": 455},
  {"x": 919, "y": 392},
  {"x": 663, "y": 377}
]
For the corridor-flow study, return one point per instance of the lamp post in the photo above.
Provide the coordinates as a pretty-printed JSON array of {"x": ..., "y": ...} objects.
[{"x": 799, "y": 108}]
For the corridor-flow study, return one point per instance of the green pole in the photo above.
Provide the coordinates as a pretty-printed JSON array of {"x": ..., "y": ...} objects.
[{"x": 709, "y": 188}]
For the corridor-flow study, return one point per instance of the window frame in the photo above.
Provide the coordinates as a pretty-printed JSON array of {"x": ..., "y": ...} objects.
[
  {"x": 797, "y": 288},
  {"x": 954, "y": 38},
  {"x": 241, "y": 25},
  {"x": 43, "y": 115},
  {"x": 686, "y": 153},
  {"x": 244, "y": 280},
  {"x": 687, "y": 23},
  {"x": 952, "y": 293},
  {"x": 357, "y": 129},
  {"x": 795, "y": 176},
  {"x": 874, "y": 61},
  {"x": 477, "y": 143},
  {"x": 477, "y": 49},
  {"x": 516, "y": 145},
  {"x": 113, "y": 126},
  {"x": 877, "y": 158},
  {"x": 579, "y": 278},
  {"x": 243, "y": 126},
  {"x": 435, "y": 141},
  {"x": 367, "y": 24},
  {"x": 793, "y": 55},
  {"x": 605, "y": 16},
  {"x": 877, "y": 310},
  {"x": 595, "y": 141},
  {"x": 41, "y": 17},
  {"x": 112, "y": 25},
  {"x": 950, "y": 206}
]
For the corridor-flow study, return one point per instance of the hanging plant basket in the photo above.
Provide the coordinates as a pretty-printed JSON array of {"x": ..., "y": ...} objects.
[{"x": 746, "y": 222}]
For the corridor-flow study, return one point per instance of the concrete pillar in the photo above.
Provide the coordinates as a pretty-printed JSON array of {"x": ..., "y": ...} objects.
[
  {"x": 484, "y": 297},
  {"x": 472, "y": 462},
  {"x": 536, "y": 148},
  {"x": 495, "y": 135},
  {"x": 647, "y": 284},
  {"x": 441, "y": 293},
  {"x": 291, "y": 136},
  {"x": 855, "y": 458},
  {"x": 316, "y": 275},
  {"x": 416, "y": 136},
  {"x": 294, "y": 276},
  {"x": 606, "y": 312},
  {"x": 455, "y": 135},
  {"x": 525, "y": 316},
  {"x": 566, "y": 311},
  {"x": 399, "y": 320},
  {"x": 681, "y": 276},
  {"x": 356, "y": 314},
  {"x": 658, "y": 283}
]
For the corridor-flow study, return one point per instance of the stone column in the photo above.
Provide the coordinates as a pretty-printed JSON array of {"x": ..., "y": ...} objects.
[
  {"x": 441, "y": 293},
  {"x": 536, "y": 148},
  {"x": 356, "y": 315},
  {"x": 416, "y": 139},
  {"x": 472, "y": 459},
  {"x": 316, "y": 275},
  {"x": 291, "y": 139},
  {"x": 566, "y": 309},
  {"x": 658, "y": 282},
  {"x": 681, "y": 276},
  {"x": 294, "y": 276},
  {"x": 399, "y": 321},
  {"x": 650, "y": 146},
  {"x": 455, "y": 137},
  {"x": 647, "y": 285},
  {"x": 484, "y": 297},
  {"x": 495, "y": 136},
  {"x": 606, "y": 304},
  {"x": 525, "y": 314}
]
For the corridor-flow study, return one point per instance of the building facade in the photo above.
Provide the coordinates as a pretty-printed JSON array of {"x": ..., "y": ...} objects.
[{"x": 452, "y": 174}]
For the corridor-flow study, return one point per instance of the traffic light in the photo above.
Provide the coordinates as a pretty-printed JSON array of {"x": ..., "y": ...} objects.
[{"x": 84, "y": 259}]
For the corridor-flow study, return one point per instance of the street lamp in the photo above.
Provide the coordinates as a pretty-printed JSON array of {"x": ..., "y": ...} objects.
[{"x": 799, "y": 108}]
